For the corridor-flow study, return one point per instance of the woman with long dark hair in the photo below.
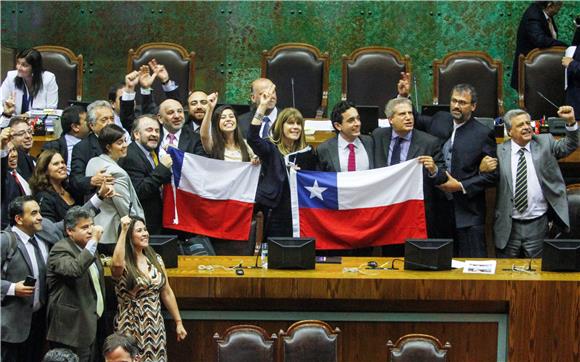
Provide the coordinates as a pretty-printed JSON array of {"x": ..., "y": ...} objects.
[
  {"x": 140, "y": 284},
  {"x": 223, "y": 139},
  {"x": 29, "y": 86},
  {"x": 50, "y": 187}
]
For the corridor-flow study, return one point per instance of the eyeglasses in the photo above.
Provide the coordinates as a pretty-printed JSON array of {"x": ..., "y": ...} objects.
[
  {"x": 459, "y": 102},
  {"x": 23, "y": 132}
]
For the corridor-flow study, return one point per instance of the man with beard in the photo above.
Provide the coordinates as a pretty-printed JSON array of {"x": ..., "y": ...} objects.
[
  {"x": 197, "y": 106},
  {"x": 459, "y": 208},
  {"x": 22, "y": 140},
  {"x": 147, "y": 170},
  {"x": 260, "y": 86}
]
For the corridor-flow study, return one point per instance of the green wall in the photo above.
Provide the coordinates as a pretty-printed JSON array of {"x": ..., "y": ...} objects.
[{"x": 228, "y": 37}]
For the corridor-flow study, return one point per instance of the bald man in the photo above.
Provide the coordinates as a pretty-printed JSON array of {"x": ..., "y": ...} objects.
[
  {"x": 172, "y": 119},
  {"x": 259, "y": 86}
]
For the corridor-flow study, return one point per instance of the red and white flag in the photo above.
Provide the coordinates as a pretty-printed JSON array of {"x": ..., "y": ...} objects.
[
  {"x": 210, "y": 197},
  {"x": 348, "y": 210}
]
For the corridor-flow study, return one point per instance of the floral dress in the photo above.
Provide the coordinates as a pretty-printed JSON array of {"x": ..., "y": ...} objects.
[{"x": 140, "y": 313}]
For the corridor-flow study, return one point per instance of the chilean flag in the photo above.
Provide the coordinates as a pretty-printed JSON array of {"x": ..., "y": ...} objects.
[
  {"x": 348, "y": 210},
  {"x": 210, "y": 197}
]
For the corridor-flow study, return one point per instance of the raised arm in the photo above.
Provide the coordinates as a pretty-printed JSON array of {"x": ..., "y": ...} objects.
[
  {"x": 205, "y": 128},
  {"x": 118, "y": 261}
]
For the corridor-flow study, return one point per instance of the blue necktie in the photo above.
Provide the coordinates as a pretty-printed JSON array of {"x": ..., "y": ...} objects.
[
  {"x": 266, "y": 128},
  {"x": 396, "y": 156}
]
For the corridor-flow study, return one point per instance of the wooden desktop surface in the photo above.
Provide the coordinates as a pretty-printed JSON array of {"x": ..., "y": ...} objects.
[{"x": 542, "y": 308}]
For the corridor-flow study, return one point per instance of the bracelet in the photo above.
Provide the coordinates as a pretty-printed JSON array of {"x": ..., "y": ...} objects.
[
  {"x": 6, "y": 115},
  {"x": 178, "y": 321},
  {"x": 259, "y": 116},
  {"x": 167, "y": 81}
]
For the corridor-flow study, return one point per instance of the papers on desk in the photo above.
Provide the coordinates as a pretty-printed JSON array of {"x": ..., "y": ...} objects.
[{"x": 476, "y": 266}]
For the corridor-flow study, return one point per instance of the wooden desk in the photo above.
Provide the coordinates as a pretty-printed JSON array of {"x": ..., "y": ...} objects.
[
  {"x": 39, "y": 141},
  {"x": 540, "y": 310}
]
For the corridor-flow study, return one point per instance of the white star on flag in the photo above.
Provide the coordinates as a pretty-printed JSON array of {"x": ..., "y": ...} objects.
[{"x": 315, "y": 190}]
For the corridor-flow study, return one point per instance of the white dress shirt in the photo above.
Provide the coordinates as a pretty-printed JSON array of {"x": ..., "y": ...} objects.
[
  {"x": 360, "y": 153},
  {"x": 537, "y": 205},
  {"x": 165, "y": 141}
]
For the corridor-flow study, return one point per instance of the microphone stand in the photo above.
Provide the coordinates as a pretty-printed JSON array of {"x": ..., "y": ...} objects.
[
  {"x": 430, "y": 267},
  {"x": 293, "y": 94},
  {"x": 416, "y": 93}
]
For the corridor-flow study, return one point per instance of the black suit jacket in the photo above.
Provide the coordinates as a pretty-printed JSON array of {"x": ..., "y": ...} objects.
[
  {"x": 10, "y": 190},
  {"x": 147, "y": 181},
  {"x": 26, "y": 164},
  {"x": 533, "y": 32},
  {"x": 59, "y": 145},
  {"x": 52, "y": 206},
  {"x": 245, "y": 119},
  {"x": 472, "y": 142},
  {"x": 573, "y": 90},
  {"x": 81, "y": 154}
]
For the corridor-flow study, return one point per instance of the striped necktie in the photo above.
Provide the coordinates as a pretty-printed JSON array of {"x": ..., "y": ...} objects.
[{"x": 521, "y": 191}]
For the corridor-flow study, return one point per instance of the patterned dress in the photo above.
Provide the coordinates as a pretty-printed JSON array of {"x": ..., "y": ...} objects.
[{"x": 140, "y": 313}]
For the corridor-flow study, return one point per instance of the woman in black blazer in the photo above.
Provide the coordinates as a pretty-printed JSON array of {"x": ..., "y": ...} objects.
[
  {"x": 273, "y": 194},
  {"x": 50, "y": 187}
]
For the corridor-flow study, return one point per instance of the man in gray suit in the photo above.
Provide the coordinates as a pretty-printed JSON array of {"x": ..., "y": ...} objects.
[
  {"x": 531, "y": 188},
  {"x": 23, "y": 306},
  {"x": 76, "y": 287},
  {"x": 349, "y": 150}
]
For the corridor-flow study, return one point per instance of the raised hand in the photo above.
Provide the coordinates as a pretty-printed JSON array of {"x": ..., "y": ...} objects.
[
  {"x": 97, "y": 233},
  {"x": 145, "y": 78},
  {"x": 131, "y": 81},
  {"x": 212, "y": 100},
  {"x": 567, "y": 112},
  {"x": 10, "y": 105},
  {"x": 404, "y": 85},
  {"x": 125, "y": 222},
  {"x": 5, "y": 136},
  {"x": 265, "y": 98},
  {"x": 159, "y": 70}
]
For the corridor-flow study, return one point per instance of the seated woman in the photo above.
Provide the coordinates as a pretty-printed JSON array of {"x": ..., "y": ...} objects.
[
  {"x": 27, "y": 87},
  {"x": 276, "y": 153},
  {"x": 140, "y": 281},
  {"x": 222, "y": 139},
  {"x": 50, "y": 187},
  {"x": 114, "y": 145}
]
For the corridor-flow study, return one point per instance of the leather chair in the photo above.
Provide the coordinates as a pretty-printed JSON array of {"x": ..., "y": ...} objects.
[
  {"x": 475, "y": 68},
  {"x": 300, "y": 73},
  {"x": 573, "y": 192},
  {"x": 245, "y": 343},
  {"x": 7, "y": 62},
  {"x": 309, "y": 341},
  {"x": 68, "y": 70},
  {"x": 370, "y": 76},
  {"x": 179, "y": 63},
  {"x": 418, "y": 347},
  {"x": 541, "y": 71}
]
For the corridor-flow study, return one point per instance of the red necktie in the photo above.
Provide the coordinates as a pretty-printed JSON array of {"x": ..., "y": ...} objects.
[
  {"x": 22, "y": 192},
  {"x": 351, "y": 158}
]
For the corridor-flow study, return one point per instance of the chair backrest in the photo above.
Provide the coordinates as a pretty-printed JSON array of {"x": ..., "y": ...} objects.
[
  {"x": 300, "y": 73},
  {"x": 7, "y": 62},
  {"x": 245, "y": 343},
  {"x": 177, "y": 60},
  {"x": 68, "y": 70},
  {"x": 541, "y": 71},
  {"x": 418, "y": 347},
  {"x": 370, "y": 76},
  {"x": 475, "y": 68},
  {"x": 309, "y": 341}
]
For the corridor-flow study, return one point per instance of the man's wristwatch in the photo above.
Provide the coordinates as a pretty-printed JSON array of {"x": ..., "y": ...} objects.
[
  {"x": 7, "y": 115},
  {"x": 259, "y": 116}
]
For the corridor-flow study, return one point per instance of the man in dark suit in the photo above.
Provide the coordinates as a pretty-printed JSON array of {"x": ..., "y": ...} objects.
[
  {"x": 13, "y": 184},
  {"x": 99, "y": 115},
  {"x": 76, "y": 287},
  {"x": 173, "y": 132},
  {"x": 23, "y": 254},
  {"x": 147, "y": 171},
  {"x": 349, "y": 150},
  {"x": 531, "y": 189},
  {"x": 572, "y": 65},
  {"x": 74, "y": 129},
  {"x": 401, "y": 142},
  {"x": 260, "y": 86},
  {"x": 21, "y": 134},
  {"x": 537, "y": 29},
  {"x": 459, "y": 210}
]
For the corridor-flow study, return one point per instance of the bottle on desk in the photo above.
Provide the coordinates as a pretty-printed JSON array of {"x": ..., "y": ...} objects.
[{"x": 264, "y": 255}]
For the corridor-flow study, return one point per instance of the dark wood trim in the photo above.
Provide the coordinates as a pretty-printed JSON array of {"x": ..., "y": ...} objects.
[{"x": 72, "y": 57}]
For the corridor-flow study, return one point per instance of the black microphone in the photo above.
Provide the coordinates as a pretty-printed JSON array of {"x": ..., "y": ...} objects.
[
  {"x": 416, "y": 93},
  {"x": 293, "y": 94},
  {"x": 430, "y": 267},
  {"x": 536, "y": 254}
]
